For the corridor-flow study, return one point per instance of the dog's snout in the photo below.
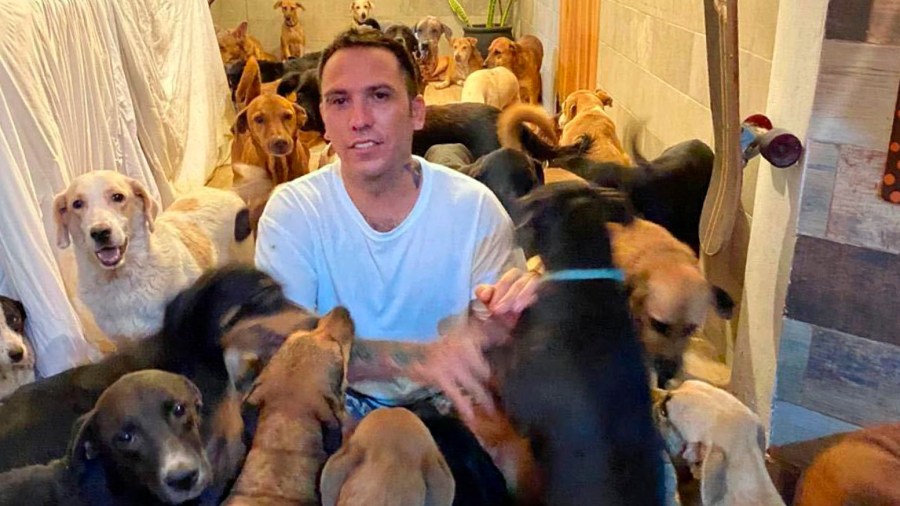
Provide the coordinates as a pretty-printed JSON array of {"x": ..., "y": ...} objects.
[
  {"x": 280, "y": 146},
  {"x": 16, "y": 354},
  {"x": 101, "y": 235},
  {"x": 182, "y": 480}
]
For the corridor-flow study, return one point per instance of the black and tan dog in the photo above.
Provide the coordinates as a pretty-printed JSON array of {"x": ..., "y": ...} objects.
[
  {"x": 574, "y": 380},
  {"x": 16, "y": 353},
  {"x": 35, "y": 420},
  {"x": 140, "y": 444}
]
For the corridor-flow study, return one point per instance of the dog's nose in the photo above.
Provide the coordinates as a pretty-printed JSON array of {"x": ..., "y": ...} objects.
[
  {"x": 182, "y": 480},
  {"x": 100, "y": 234},
  {"x": 281, "y": 146},
  {"x": 16, "y": 354}
]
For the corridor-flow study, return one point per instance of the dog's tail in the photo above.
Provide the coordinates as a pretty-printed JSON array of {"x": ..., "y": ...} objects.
[
  {"x": 630, "y": 137},
  {"x": 513, "y": 133}
]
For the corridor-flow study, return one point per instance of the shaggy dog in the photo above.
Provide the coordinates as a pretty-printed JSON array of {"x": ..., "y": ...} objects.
[
  {"x": 130, "y": 263},
  {"x": 140, "y": 444},
  {"x": 35, "y": 420},
  {"x": 16, "y": 352},
  {"x": 573, "y": 381}
]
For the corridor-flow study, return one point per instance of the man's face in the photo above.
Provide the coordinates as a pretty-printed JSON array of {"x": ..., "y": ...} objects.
[{"x": 368, "y": 115}]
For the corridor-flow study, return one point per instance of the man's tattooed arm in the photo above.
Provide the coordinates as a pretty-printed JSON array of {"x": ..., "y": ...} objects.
[{"x": 382, "y": 360}]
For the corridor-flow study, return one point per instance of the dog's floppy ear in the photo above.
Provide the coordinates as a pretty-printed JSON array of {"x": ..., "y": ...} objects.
[
  {"x": 473, "y": 41},
  {"x": 277, "y": 4},
  {"x": 301, "y": 118},
  {"x": 83, "y": 443},
  {"x": 336, "y": 471},
  {"x": 150, "y": 206},
  {"x": 722, "y": 302},
  {"x": 60, "y": 208},
  {"x": 713, "y": 486},
  {"x": 448, "y": 32},
  {"x": 195, "y": 391},
  {"x": 604, "y": 97},
  {"x": 439, "y": 483}
]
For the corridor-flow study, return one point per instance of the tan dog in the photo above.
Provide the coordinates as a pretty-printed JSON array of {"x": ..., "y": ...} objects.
[
  {"x": 669, "y": 294},
  {"x": 723, "y": 440},
  {"x": 298, "y": 395},
  {"x": 237, "y": 45},
  {"x": 429, "y": 31},
  {"x": 515, "y": 116},
  {"x": 293, "y": 40},
  {"x": 497, "y": 87},
  {"x": 391, "y": 458},
  {"x": 523, "y": 57},
  {"x": 466, "y": 59},
  {"x": 131, "y": 263},
  {"x": 583, "y": 114},
  {"x": 360, "y": 10}
]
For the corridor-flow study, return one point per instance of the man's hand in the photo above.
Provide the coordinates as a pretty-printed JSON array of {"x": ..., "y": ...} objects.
[{"x": 506, "y": 299}]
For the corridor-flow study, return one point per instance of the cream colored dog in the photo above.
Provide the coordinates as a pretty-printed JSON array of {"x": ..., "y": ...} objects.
[
  {"x": 293, "y": 40},
  {"x": 583, "y": 114},
  {"x": 131, "y": 263},
  {"x": 722, "y": 439},
  {"x": 361, "y": 10},
  {"x": 497, "y": 86},
  {"x": 391, "y": 458}
]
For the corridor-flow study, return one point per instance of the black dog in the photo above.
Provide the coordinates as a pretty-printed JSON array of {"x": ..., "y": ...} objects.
[
  {"x": 35, "y": 420},
  {"x": 271, "y": 70},
  {"x": 575, "y": 382},
  {"x": 16, "y": 353},
  {"x": 140, "y": 444},
  {"x": 510, "y": 174},
  {"x": 404, "y": 35}
]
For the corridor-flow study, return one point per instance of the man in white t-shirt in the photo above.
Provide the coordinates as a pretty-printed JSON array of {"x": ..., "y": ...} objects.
[{"x": 409, "y": 247}]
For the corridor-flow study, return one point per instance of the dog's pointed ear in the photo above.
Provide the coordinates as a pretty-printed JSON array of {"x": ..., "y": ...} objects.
[
  {"x": 604, "y": 97},
  {"x": 722, "y": 302},
  {"x": 60, "y": 210},
  {"x": 301, "y": 6},
  {"x": 83, "y": 447},
  {"x": 250, "y": 85},
  {"x": 336, "y": 471},
  {"x": 713, "y": 486},
  {"x": 439, "y": 483},
  {"x": 473, "y": 41},
  {"x": 241, "y": 30},
  {"x": 150, "y": 206},
  {"x": 448, "y": 32},
  {"x": 241, "y": 125},
  {"x": 277, "y": 4}
]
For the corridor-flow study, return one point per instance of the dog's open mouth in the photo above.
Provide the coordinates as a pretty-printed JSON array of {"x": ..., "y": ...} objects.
[{"x": 111, "y": 256}]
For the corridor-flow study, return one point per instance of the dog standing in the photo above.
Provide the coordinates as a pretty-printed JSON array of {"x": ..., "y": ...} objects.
[
  {"x": 583, "y": 114},
  {"x": 131, "y": 263},
  {"x": 497, "y": 86},
  {"x": 466, "y": 59},
  {"x": 16, "y": 353},
  {"x": 523, "y": 57},
  {"x": 293, "y": 40},
  {"x": 360, "y": 11},
  {"x": 140, "y": 444},
  {"x": 429, "y": 31}
]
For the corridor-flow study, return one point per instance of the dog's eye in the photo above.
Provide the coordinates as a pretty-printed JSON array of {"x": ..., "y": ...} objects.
[
  {"x": 125, "y": 436},
  {"x": 78, "y": 204},
  {"x": 658, "y": 326},
  {"x": 118, "y": 197},
  {"x": 178, "y": 410},
  {"x": 688, "y": 330},
  {"x": 15, "y": 320},
  {"x": 288, "y": 116},
  {"x": 259, "y": 119}
]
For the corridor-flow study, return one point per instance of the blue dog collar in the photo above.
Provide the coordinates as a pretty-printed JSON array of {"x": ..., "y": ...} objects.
[{"x": 584, "y": 274}]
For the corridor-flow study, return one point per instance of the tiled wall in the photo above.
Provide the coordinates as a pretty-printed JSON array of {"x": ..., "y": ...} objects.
[
  {"x": 323, "y": 20},
  {"x": 839, "y": 358}
]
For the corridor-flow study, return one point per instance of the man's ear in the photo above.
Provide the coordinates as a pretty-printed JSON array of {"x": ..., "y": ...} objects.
[
  {"x": 83, "y": 446},
  {"x": 150, "y": 208},
  {"x": 60, "y": 210}
]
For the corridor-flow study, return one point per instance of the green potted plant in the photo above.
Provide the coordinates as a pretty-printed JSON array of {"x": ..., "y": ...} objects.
[{"x": 496, "y": 25}]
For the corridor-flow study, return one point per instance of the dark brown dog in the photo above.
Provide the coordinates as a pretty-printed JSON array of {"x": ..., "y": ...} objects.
[
  {"x": 139, "y": 445},
  {"x": 523, "y": 57}
]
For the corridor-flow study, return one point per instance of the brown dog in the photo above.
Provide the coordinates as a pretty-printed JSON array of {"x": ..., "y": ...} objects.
[
  {"x": 299, "y": 399},
  {"x": 583, "y": 114},
  {"x": 429, "y": 31},
  {"x": 466, "y": 59},
  {"x": 523, "y": 57},
  {"x": 391, "y": 458},
  {"x": 293, "y": 40},
  {"x": 236, "y": 44}
]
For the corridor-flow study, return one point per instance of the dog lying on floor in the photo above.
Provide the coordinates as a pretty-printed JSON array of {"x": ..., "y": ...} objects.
[
  {"x": 16, "y": 352},
  {"x": 428, "y": 32},
  {"x": 35, "y": 420},
  {"x": 293, "y": 40},
  {"x": 583, "y": 114},
  {"x": 293, "y": 409},
  {"x": 130, "y": 263},
  {"x": 140, "y": 444},
  {"x": 236, "y": 45},
  {"x": 466, "y": 59},
  {"x": 523, "y": 57},
  {"x": 391, "y": 458},
  {"x": 572, "y": 378}
]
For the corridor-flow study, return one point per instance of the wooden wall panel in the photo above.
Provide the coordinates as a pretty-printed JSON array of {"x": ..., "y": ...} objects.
[{"x": 579, "y": 43}]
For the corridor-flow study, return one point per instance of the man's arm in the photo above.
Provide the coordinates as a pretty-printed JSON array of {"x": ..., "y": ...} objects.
[{"x": 383, "y": 360}]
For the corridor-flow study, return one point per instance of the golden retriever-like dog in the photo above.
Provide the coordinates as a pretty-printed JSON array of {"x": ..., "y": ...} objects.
[
  {"x": 466, "y": 59},
  {"x": 391, "y": 458},
  {"x": 523, "y": 57},
  {"x": 236, "y": 45},
  {"x": 131, "y": 262},
  {"x": 497, "y": 87},
  {"x": 293, "y": 40},
  {"x": 583, "y": 114}
]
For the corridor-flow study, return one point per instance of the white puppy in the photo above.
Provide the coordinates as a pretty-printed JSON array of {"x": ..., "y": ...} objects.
[
  {"x": 361, "y": 11},
  {"x": 131, "y": 263},
  {"x": 496, "y": 86}
]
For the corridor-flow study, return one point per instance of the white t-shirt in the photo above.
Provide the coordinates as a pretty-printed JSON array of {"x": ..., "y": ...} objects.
[{"x": 398, "y": 285}]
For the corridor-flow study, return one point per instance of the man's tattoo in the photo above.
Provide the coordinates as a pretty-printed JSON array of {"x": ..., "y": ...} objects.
[
  {"x": 404, "y": 358},
  {"x": 359, "y": 352},
  {"x": 416, "y": 171}
]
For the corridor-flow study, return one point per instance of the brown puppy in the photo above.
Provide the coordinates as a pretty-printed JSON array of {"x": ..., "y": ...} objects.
[
  {"x": 669, "y": 294},
  {"x": 272, "y": 124},
  {"x": 298, "y": 395},
  {"x": 293, "y": 40},
  {"x": 236, "y": 44},
  {"x": 466, "y": 59},
  {"x": 583, "y": 114},
  {"x": 391, "y": 458},
  {"x": 523, "y": 57}
]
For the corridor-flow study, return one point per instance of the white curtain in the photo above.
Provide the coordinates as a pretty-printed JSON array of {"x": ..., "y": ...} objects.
[{"x": 135, "y": 86}]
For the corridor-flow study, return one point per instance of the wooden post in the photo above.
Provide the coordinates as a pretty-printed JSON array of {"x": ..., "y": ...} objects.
[
  {"x": 724, "y": 195},
  {"x": 890, "y": 183}
]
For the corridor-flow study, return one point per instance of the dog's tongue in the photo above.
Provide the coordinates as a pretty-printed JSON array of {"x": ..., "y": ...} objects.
[{"x": 109, "y": 256}]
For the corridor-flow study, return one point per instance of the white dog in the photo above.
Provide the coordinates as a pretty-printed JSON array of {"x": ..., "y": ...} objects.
[
  {"x": 361, "y": 10},
  {"x": 496, "y": 86},
  {"x": 130, "y": 264},
  {"x": 16, "y": 354}
]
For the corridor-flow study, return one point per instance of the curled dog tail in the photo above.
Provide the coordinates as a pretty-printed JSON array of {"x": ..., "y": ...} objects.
[{"x": 513, "y": 133}]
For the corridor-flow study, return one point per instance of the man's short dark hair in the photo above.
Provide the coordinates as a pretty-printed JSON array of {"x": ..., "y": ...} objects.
[{"x": 376, "y": 39}]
